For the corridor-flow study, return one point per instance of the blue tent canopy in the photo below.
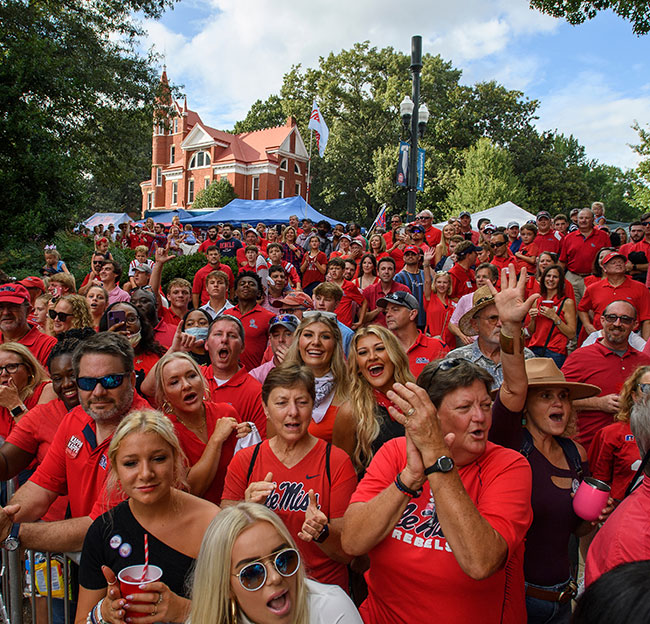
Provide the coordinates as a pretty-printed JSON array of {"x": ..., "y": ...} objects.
[
  {"x": 165, "y": 216},
  {"x": 267, "y": 211}
]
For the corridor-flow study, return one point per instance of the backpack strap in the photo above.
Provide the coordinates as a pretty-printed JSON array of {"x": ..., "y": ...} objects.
[
  {"x": 571, "y": 453},
  {"x": 253, "y": 460}
]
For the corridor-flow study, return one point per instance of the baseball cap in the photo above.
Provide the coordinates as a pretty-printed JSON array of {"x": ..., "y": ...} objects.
[
  {"x": 359, "y": 240},
  {"x": 289, "y": 321},
  {"x": 346, "y": 236},
  {"x": 611, "y": 255},
  {"x": 14, "y": 293},
  {"x": 416, "y": 228},
  {"x": 466, "y": 247},
  {"x": 464, "y": 214},
  {"x": 33, "y": 282},
  {"x": 543, "y": 213},
  {"x": 294, "y": 298},
  {"x": 400, "y": 298},
  {"x": 489, "y": 228},
  {"x": 145, "y": 268},
  {"x": 513, "y": 224},
  {"x": 250, "y": 229},
  {"x": 412, "y": 248}
]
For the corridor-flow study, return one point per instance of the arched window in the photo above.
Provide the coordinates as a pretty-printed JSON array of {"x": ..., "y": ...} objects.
[
  {"x": 296, "y": 168},
  {"x": 200, "y": 159},
  {"x": 284, "y": 164}
]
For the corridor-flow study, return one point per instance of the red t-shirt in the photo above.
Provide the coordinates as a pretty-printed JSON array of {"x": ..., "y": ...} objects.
[
  {"x": 169, "y": 316},
  {"x": 242, "y": 392},
  {"x": 614, "y": 457},
  {"x": 352, "y": 299},
  {"x": 77, "y": 466},
  {"x": 311, "y": 273},
  {"x": 424, "y": 350},
  {"x": 203, "y": 247},
  {"x": 502, "y": 263},
  {"x": 438, "y": 316},
  {"x": 531, "y": 250},
  {"x": 164, "y": 333},
  {"x": 462, "y": 281},
  {"x": 397, "y": 254},
  {"x": 198, "y": 283},
  {"x": 551, "y": 241},
  {"x": 256, "y": 331},
  {"x": 34, "y": 434},
  {"x": 601, "y": 293},
  {"x": 543, "y": 325},
  {"x": 578, "y": 252},
  {"x": 375, "y": 292},
  {"x": 37, "y": 342},
  {"x": 145, "y": 361},
  {"x": 414, "y": 560},
  {"x": 596, "y": 364},
  {"x": 290, "y": 499},
  {"x": 432, "y": 235},
  {"x": 194, "y": 447}
]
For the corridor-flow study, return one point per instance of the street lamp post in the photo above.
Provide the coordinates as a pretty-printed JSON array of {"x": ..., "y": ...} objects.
[{"x": 416, "y": 117}]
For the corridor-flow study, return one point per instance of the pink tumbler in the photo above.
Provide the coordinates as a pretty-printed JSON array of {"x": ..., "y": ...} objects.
[{"x": 590, "y": 498}]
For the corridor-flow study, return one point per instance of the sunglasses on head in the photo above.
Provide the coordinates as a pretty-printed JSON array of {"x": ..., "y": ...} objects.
[
  {"x": 328, "y": 315},
  {"x": 253, "y": 575},
  {"x": 62, "y": 316},
  {"x": 108, "y": 382}
]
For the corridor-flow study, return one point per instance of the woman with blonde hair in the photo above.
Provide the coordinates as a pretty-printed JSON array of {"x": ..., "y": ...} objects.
[
  {"x": 97, "y": 299},
  {"x": 291, "y": 251},
  {"x": 376, "y": 361},
  {"x": 442, "y": 248},
  {"x": 377, "y": 246},
  {"x": 440, "y": 305},
  {"x": 249, "y": 570},
  {"x": 614, "y": 454},
  {"x": 23, "y": 384},
  {"x": 207, "y": 431},
  {"x": 69, "y": 312},
  {"x": 147, "y": 466},
  {"x": 318, "y": 345}
]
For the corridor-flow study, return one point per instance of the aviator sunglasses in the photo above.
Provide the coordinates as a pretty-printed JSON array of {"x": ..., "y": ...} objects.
[
  {"x": 108, "y": 382},
  {"x": 253, "y": 575}
]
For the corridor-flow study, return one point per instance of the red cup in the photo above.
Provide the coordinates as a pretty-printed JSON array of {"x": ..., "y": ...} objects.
[
  {"x": 130, "y": 580},
  {"x": 591, "y": 498}
]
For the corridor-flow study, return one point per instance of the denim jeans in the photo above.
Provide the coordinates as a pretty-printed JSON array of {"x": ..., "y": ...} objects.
[
  {"x": 545, "y": 611},
  {"x": 558, "y": 358}
]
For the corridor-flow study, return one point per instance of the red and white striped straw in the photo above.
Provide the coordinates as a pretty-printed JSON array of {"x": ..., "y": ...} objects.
[{"x": 145, "y": 570}]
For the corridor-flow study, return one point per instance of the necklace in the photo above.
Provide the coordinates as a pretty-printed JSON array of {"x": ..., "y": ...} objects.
[{"x": 200, "y": 428}]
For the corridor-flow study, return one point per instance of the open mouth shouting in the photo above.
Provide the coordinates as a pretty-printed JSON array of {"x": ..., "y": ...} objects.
[{"x": 280, "y": 603}]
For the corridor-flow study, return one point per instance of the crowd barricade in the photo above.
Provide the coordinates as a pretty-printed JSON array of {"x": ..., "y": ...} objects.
[{"x": 30, "y": 574}]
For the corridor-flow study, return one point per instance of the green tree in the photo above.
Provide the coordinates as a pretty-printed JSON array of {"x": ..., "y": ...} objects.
[
  {"x": 578, "y": 11},
  {"x": 614, "y": 187},
  {"x": 69, "y": 70},
  {"x": 487, "y": 180},
  {"x": 218, "y": 194},
  {"x": 262, "y": 114},
  {"x": 640, "y": 196}
]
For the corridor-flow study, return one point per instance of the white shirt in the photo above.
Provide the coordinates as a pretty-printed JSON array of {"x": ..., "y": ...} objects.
[
  {"x": 328, "y": 604},
  {"x": 636, "y": 342}
]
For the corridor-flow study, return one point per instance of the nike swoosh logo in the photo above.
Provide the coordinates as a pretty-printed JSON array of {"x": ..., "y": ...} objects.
[{"x": 312, "y": 476}]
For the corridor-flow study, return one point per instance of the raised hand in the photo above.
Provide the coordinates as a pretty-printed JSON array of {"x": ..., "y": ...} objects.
[
  {"x": 258, "y": 491},
  {"x": 511, "y": 302},
  {"x": 315, "y": 520},
  {"x": 163, "y": 255}
]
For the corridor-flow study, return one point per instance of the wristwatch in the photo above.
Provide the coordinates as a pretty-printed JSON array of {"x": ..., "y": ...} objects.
[
  {"x": 17, "y": 411},
  {"x": 442, "y": 464},
  {"x": 12, "y": 542},
  {"x": 323, "y": 535}
]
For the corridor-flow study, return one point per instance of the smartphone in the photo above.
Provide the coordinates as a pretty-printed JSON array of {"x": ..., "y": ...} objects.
[
  {"x": 549, "y": 303},
  {"x": 115, "y": 317}
]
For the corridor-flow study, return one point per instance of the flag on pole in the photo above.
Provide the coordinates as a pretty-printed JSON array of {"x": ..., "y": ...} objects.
[
  {"x": 380, "y": 219},
  {"x": 318, "y": 125}
]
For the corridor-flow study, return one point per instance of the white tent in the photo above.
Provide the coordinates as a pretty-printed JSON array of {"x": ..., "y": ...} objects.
[
  {"x": 106, "y": 218},
  {"x": 499, "y": 215}
]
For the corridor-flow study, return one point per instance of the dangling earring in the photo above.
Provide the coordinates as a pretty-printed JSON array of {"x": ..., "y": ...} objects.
[
  {"x": 167, "y": 408},
  {"x": 233, "y": 611}
]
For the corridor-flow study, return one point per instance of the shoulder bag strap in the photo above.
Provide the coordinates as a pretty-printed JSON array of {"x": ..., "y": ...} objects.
[
  {"x": 253, "y": 460},
  {"x": 548, "y": 338}
]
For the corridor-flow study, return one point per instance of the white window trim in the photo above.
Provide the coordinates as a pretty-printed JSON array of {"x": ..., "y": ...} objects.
[
  {"x": 281, "y": 188},
  {"x": 206, "y": 182},
  {"x": 296, "y": 168},
  {"x": 253, "y": 189},
  {"x": 172, "y": 154},
  {"x": 284, "y": 164},
  {"x": 174, "y": 193},
  {"x": 298, "y": 189},
  {"x": 190, "y": 191},
  {"x": 159, "y": 176},
  {"x": 207, "y": 162}
]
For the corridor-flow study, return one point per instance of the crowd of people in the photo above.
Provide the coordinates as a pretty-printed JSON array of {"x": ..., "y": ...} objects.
[{"x": 378, "y": 428}]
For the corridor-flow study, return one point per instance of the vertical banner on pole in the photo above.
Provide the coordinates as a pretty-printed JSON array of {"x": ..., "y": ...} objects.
[
  {"x": 420, "y": 186},
  {"x": 403, "y": 164}
]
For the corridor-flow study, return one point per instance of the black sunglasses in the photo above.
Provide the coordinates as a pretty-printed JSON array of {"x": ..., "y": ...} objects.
[
  {"x": 62, "y": 316},
  {"x": 645, "y": 388},
  {"x": 625, "y": 320},
  {"x": 495, "y": 245},
  {"x": 108, "y": 382},
  {"x": 253, "y": 575}
]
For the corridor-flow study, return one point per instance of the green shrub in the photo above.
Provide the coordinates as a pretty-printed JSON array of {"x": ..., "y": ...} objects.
[{"x": 187, "y": 266}]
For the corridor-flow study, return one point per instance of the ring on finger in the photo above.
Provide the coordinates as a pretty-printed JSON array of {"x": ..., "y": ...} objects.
[
  {"x": 159, "y": 598},
  {"x": 154, "y": 610},
  {"x": 410, "y": 412}
]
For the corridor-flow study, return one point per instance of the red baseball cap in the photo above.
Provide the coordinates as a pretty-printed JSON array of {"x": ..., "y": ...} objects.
[
  {"x": 14, "y": 293},
  {"x": 33, "y": 282},
  {"x": 613, "y": 254},
  {"x": 412, "y": 248},
  {"x": 294, "y": 298}
]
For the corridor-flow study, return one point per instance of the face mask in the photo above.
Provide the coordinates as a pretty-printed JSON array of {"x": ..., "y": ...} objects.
[
  {"x": 200, "y": 333},
  {"x": 134, "y": 339}
]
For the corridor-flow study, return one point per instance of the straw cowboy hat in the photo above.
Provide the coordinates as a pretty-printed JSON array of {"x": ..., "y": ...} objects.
[
  {"x": 482, "y": 299},
  {"x": 544, "y": 373}
]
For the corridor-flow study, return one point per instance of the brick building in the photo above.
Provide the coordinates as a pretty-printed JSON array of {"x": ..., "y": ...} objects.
[{"x": 188, "y": 156}]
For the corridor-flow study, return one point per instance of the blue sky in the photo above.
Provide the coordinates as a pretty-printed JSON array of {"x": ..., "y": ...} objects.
[{"x": 591, "y": 80}]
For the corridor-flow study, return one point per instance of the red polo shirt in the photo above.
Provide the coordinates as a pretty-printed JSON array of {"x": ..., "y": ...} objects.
[
  {"x": 77, "y": 466},
  {"x": 242, "y": 392},
  {"x": 256, "y": 332},
  {"x": 203, "y": 247},
  {"x": 579, "y": 252},
  {"x": 424, "y": 350},
  {"x": 351, "y": 300},
  {"x": 169, "y": 316},
  {"x": 198, "y": 284},
  {"x": 598, "y": 365},
  {"x": 462, "y": 281},
  {"x": 164, "y": 333},
  {"x": 375, "y": 292},
  {"x": 432, "y": 235},
  {"x": 601, "y": 293},
  {"x": 37, "y": 342},
  {"x": 551, "y": 241}
]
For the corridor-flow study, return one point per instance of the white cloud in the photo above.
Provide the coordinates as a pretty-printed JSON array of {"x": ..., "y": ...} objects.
[
  {"x": 599, "y": 117},
  {"x": 242, "y": 50}
]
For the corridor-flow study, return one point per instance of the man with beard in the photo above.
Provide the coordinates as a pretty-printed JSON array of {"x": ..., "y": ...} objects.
[
  {"x": 211, "y": 239},
  {"x": 145, "y": 302},
  {"x": 607, "y": 364},
  {"x": 228, "y": 244},
  {"x": 76, "y": 463}
]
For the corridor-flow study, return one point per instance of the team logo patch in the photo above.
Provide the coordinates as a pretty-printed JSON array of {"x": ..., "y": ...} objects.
[
  {"x": 74, "y": 446},
  {"x": 125, "y": 550},
  {"x": 629, "y": 438},
  {"x": 422, "y": 360},
  {"x": 252, "y": 324},
  {"x": 115, "y": 541},
  {"x": 103, "y": 462}
]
